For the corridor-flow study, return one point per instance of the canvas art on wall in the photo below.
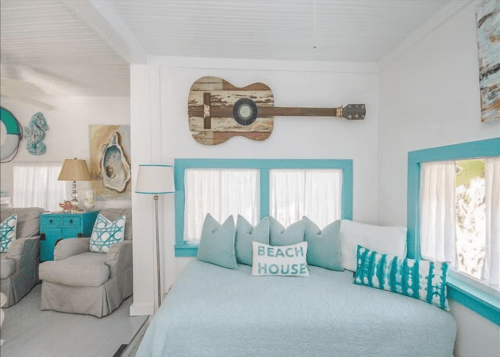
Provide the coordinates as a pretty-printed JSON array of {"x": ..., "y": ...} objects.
[
  {"x": 110, "y": 161},
  {"x": 488, "y": 38}
]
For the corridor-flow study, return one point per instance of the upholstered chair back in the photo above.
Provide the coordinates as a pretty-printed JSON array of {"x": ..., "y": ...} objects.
[
  {"x": 28, "y": 220},
  {"x": 113, "y": 213}
]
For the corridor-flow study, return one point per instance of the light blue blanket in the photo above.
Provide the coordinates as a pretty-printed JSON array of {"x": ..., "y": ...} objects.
[{"x": 213, "y": 311}]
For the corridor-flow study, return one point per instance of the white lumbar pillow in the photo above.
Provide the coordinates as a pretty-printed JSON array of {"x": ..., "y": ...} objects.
[
  {"x": 285, "y": 260},
  {"x": 385, "y": 240}
]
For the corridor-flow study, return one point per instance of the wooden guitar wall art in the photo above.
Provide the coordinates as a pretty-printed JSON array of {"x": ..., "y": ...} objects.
[{"x": 218, "y": 111}]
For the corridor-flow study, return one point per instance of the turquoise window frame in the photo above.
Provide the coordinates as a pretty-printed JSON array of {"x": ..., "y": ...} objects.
[
  {"x": 182, "y": 249},
  {"x": 483, "y": 303}
]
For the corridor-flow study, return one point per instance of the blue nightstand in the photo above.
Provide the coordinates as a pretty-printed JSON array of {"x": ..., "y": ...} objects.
[{"x": 57, "y": 226}]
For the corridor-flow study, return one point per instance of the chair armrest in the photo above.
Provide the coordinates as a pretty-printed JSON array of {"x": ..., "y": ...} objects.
[
  {"x": 71, "y": 246},
  {"x": 119, "y": 258},
  {"x": 24, "y": 250}
]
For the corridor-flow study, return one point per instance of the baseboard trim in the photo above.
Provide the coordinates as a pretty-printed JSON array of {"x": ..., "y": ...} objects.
[{"x": 141, "y": 309}]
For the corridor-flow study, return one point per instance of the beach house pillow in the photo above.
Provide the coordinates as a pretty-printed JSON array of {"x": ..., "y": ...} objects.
[
  {"x": 288, "y": 260},
  {"x": 246, "y": 234},
  {"x": 419, "y": 279},
  {"x": 323, "y": 246},
  {"x": 278, "y": 235},
  {"x": 106, "y": 233},
  {"x": 390, "y": 240},
  {"x": 8, "y": 232},
  {"x": 217, "y": 243}
]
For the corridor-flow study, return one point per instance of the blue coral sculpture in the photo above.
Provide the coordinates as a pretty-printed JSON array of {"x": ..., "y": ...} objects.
[{"x": 35, "y": 133}]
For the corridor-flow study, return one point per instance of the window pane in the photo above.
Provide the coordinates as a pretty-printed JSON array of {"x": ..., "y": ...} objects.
[
  {"x": 220, "y": 192},
  {"x": 313, "y": 193}
]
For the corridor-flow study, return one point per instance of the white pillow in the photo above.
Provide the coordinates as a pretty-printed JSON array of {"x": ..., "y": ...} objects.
[
  {"x": 286, "y": 260},
  {"x": 385, "y": 240}
]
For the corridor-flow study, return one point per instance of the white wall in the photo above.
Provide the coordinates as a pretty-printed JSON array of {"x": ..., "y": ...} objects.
[
  {"x": 293, "y": 84},
  {"x": 68, "y": 134},
  {"x": 429, "y": 97}
]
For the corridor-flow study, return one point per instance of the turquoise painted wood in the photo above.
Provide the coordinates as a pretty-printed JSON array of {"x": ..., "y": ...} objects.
[
  {"x": 263, "y": 165},
  {"x": 56, "y": 226},
  {"x": 475, "y": 300}
]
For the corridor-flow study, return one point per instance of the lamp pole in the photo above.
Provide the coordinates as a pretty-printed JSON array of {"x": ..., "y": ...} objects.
[{"x": 155, "y": 197}]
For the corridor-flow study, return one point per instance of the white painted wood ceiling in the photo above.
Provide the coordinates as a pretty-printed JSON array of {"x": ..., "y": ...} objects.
[{"x": 47, "y": 40}]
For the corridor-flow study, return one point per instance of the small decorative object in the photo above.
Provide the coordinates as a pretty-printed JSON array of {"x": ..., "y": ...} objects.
[
  {"x": 156, "y": 180},
  {"x": 13, "y": 129},
  {"x": 89, "y": 202},
  {"x": 110, "y": 161},
  {"x": 217, "y": 111},
  {"x": 74, "y": 170},
  {"x": 488, "y": 39},
  {"x": 35, "y": 133},
  {"x": 67, "y": 206}
]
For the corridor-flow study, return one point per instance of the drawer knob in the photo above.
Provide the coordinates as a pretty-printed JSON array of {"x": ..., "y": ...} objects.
[
  {"x": 50, "y": 221},
  {"x": 70, "y": 221}
]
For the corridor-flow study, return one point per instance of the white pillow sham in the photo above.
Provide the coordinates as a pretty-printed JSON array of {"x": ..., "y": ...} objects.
[{"x": 286, "y": 260}]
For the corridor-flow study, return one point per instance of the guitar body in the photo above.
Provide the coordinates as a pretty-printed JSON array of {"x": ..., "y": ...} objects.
[{"x": 213, "y": 122}]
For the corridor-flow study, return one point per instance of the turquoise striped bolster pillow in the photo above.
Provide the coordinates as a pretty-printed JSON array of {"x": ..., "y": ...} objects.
[{"x": 419, "y": 279}]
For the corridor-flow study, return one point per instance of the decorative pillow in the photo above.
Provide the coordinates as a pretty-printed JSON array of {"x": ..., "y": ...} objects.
[
  {"x": 288, "y": 260},
  {"x": 106, "y": 233},
  {"x": 246, "y": 234},
  {"x": 323, "y": 247},
  {"x": 278, "y": 235},
  {"x": 419, "y": 279},
  {"x": 217, "y": 243},
  {"x": 8, "y": 232},
  {"x": 390, "y": 240}
]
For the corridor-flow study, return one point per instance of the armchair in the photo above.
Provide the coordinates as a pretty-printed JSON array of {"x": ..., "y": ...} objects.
[
  {"x": 85, "y": 282},
  {"x": 19, "y": 265}
]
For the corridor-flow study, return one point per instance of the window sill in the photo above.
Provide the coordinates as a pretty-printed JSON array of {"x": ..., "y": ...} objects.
[
  {"x": 188, "y": 250},
  {"x": 479, "y": 301}
]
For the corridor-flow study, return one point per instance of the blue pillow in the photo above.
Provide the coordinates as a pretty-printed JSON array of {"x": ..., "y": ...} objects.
[
  {"x": 419, "y": 279},
  {"x": 323, "y": 246},
  {"x": 246, "y": 234},
  {"x": 278, "y": 235},
  {"x": 217, "y": 243}
]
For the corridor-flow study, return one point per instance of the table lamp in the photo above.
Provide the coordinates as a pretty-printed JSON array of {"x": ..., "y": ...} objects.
[
  {"x": 74, "y": 170},
  {"x": 156, "y": 180}
]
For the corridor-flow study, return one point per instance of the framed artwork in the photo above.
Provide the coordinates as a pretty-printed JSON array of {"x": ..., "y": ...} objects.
[
  {"x": 488, "y": 41},
  {"x": 110, "y": 161}
]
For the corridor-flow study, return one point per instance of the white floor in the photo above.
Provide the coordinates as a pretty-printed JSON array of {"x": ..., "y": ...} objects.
[{"x": 30, "y": 332}]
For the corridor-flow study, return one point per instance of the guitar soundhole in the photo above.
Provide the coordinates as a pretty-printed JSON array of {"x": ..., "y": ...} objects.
[{"x": 245, "y": 111}]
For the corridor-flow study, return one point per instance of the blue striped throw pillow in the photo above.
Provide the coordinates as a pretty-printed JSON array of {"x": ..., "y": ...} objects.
[{"x": 419, "y": 279}]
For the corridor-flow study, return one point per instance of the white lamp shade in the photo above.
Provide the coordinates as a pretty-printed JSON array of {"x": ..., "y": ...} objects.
[{"x": 155, "y": 179}]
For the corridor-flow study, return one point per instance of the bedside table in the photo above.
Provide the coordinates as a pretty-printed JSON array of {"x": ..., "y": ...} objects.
[{"x": 57, "y": 226}]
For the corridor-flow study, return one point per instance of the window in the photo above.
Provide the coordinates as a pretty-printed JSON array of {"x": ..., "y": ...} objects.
[
  {"x": 449, "y": 203},
  {"x": 220, "y": 192},
  {"x": 312, "y": 193},
  {"x": 36, "y": 185},
  {"x": 233, "y": 186}
]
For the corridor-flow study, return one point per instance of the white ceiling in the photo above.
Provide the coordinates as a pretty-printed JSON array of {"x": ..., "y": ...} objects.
[{"x": 83, "y": 47}]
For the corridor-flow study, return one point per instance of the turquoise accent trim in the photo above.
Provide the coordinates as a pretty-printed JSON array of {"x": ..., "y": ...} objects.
[
  {"x": 155, "y": 193},
  {"x": 459, "y": 291},
  {"x": 10, "y": 122},
  {"x": 264, "y": 165}
]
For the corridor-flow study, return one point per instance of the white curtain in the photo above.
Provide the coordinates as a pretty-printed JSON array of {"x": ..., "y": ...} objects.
[
  {"x": 316, "y": 194},
  {"x": 36, "y": 185},
  {"x": 437, "y": 211},
  {"x": 220, "y": 192},
  {"x": 491, "y": 273}
]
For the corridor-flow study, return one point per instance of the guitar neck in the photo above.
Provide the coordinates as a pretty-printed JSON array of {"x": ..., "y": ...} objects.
[{"x": 300, "y": 112}]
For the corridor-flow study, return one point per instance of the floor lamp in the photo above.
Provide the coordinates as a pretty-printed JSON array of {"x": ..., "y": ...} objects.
[{"x": 156, "y": 180}]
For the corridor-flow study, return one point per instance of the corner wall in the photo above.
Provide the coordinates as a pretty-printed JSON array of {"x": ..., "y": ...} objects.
[{"x": 428, "y": 97}]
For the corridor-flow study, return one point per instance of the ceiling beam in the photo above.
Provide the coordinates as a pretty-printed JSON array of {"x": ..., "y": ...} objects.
[{"x": 99, "y": 16}]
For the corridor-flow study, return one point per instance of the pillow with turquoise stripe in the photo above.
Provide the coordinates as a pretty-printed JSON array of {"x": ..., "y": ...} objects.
[
  {"x": 278, "y": 235},
  {"x": 106, "y": 233},
  {"x": 217, "y": 243},
  {"x": 8, "y": 232},
  {"x": 246, "y": 234},
  {"x": 419, "y": 279},
  {"x": 323, "y": 245}
]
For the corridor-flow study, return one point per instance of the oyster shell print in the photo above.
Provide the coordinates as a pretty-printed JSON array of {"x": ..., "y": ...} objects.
[{"x": 115, "y": 169}]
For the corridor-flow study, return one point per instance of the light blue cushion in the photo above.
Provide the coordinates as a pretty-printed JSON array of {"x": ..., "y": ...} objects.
[
  {"x": 419, "y": 279},
  {"x": 323, "y": 246},
  {"x": 8, "y": 232},
  {"x": 278, "y": 235},
  {"x": 217, "y": 243},
  {"x": 106, "y": 233},
  {"x": 246, "y": 234}
]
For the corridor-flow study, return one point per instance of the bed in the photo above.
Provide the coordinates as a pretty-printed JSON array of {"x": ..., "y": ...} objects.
[{"x": 213, "y": 311}]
